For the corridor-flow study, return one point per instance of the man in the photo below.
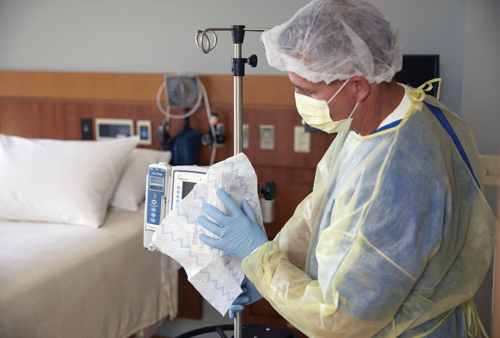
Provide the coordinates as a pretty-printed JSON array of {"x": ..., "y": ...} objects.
[{"x": 396, "y": 237}]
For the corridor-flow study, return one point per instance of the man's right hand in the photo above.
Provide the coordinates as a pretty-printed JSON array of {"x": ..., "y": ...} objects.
[{"x": 249, "y": 296}]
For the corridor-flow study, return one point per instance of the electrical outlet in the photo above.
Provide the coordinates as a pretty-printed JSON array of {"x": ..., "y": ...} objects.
[
  {"x": 490, "y": 166},
  {"x": 246, "y": 136},
  {"x": 301, "y": 140}
]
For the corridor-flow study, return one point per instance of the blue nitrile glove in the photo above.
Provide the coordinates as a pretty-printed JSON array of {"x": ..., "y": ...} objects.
[
  {"x": 249, "y": 296},
  {"x": 240, "y": 234}
]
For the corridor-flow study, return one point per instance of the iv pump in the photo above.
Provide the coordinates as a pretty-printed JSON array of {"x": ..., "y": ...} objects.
[{"x": 166, "y": 186}]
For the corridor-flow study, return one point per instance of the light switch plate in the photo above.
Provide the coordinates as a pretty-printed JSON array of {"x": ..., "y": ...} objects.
[
  {"x": 86, "y": 129},
  {"x": 490, "y": 167},
  {"x": 266, "y": 137},
  {"x": 143, "y": 128},
  {"x": 301, "y": 140}
]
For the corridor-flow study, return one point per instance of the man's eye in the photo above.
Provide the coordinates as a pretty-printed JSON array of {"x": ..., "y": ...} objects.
[{"x": 305, "y": 92}]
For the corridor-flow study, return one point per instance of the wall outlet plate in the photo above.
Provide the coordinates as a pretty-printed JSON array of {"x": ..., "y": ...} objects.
[
  {"x": 266, "y": 137},
  {"x": 301, "y": 140},
  {"x": 246, "y": 136}
]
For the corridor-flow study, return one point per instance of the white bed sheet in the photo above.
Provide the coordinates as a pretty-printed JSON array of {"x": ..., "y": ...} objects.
[{"x": 60, "y": 280}]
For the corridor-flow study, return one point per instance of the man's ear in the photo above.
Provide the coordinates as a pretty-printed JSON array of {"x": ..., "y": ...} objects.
[{"x": 361, "y": 86}]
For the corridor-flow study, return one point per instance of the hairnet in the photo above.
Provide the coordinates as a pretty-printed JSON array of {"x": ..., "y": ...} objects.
[{"x": 330, "y": 40}]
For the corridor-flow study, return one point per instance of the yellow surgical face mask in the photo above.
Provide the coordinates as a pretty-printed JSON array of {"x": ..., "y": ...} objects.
[{"x": 316, "y": 113}]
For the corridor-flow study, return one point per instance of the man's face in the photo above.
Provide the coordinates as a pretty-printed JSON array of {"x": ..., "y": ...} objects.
[{"x": 340, "y": 107}]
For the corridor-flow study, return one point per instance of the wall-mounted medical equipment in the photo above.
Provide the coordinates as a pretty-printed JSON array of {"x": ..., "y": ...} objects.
[
  {"x": 186, "y": 91},
  {"x": 186, "y": 146},
  {"x": 143, "y": 128},
  {"x": 109, "y": 129},
  {"x": 182, "y": 90},
  {"x": 166, "y": 186},
  {"x": 208, "y": 139}
]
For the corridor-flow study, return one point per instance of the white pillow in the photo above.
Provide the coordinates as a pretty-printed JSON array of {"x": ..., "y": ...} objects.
[
  {"x": 60, "y": 181},
  {"x": 132, "y": 186}
]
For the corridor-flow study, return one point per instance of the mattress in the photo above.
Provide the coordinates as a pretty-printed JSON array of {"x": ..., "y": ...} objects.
[{"x": 61, "y": 280}]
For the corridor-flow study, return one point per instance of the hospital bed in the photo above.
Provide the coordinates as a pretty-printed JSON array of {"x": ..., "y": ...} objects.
[
  {"x": 70, "y": 266},
  {"x": 61, "y": 280}
]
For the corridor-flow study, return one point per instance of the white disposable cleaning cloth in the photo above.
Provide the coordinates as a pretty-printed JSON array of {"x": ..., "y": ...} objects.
[{"x": 216, "y": 275}]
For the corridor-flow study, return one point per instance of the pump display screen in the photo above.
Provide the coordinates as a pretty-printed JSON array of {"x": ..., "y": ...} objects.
[
  {"x": 154, "y": 187},
  {"x": 157, "y": 180},
  {"x": 187, "y": 187}
]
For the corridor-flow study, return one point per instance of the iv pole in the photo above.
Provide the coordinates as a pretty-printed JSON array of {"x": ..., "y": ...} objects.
[{"x": 238, "y": 71}]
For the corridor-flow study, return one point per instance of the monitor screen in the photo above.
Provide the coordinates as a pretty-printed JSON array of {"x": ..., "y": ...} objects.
[
  {"x": 418, "y": 69},
  {"x": 187, "y": 187}
]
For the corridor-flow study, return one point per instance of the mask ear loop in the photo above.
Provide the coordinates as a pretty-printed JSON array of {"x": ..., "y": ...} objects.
[
  {"x": 356, "y": 106},
  {"x": 338, "y": 91}
]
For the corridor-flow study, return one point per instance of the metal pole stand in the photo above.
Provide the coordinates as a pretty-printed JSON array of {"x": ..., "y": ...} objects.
[{"x": 238, "y": 71}]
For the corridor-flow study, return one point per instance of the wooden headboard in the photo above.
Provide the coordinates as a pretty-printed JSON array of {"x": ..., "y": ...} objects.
[{"x": 51, "y": 105}]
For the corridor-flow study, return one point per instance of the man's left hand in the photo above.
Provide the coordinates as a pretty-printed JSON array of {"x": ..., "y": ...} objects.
[{"x": 240, "y": 233}]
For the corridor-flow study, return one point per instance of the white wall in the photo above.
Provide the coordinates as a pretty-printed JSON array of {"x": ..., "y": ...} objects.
[
  {"x": 157, "y": 36},
  {"x": 480, "y": 108},
  {"x": 481, "y": 111}
]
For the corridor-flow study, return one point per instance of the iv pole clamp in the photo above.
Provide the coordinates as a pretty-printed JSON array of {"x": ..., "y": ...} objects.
[{"x": 238, "y": 71}]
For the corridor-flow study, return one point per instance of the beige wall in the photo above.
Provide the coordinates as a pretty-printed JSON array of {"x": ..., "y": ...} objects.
[{"x": 481, "y": 111}]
